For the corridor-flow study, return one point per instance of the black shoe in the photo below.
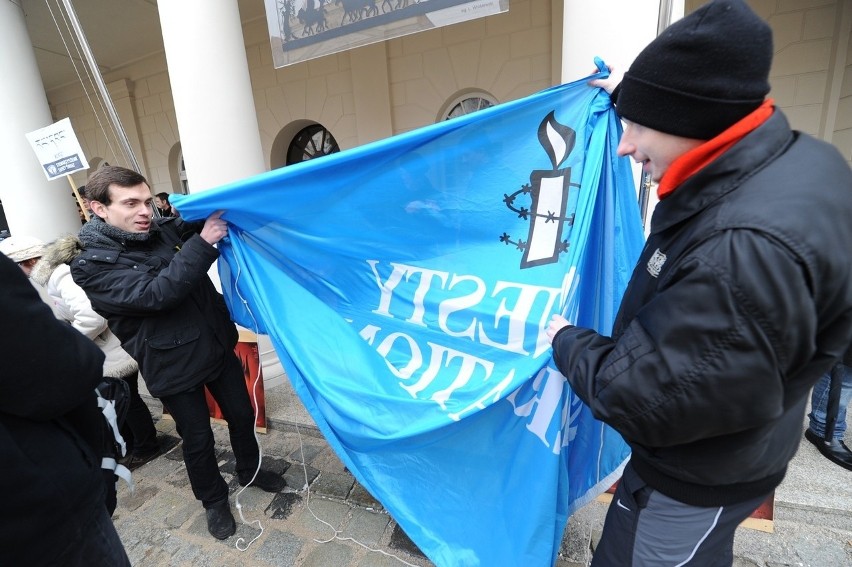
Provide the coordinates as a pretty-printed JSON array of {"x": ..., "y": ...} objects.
[
  {"x": 835, "y": 451},
  {"x": 136, "y": 460},
  {"x": 220, "y": 521},
  {"x": 265, "y": 480}
]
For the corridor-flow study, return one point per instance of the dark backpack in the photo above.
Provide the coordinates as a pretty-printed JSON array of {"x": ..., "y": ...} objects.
[{"x": 114, "y": 401}]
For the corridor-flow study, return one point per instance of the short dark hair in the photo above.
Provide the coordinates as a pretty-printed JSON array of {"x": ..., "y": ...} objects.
[
  {"x": 163, "y": 196},
  {"x": 97, "y": 186}
]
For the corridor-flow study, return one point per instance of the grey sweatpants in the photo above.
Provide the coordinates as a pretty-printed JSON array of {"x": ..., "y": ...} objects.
[{"x": 645, "y": 528}]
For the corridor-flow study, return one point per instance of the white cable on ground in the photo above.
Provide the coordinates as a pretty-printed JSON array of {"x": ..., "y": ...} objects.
[
  {"x": 237, "y": 503},
  {"x": 256, "y": 470},
  {"x": 336, "y": 534}
]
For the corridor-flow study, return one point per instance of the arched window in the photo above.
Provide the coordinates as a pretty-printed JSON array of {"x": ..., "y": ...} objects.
[
  {"x": 467, "y": 103},
  {"x": 311, "y": 142}
]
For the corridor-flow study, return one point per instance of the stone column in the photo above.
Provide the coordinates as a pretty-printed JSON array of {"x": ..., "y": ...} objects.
[
  {"x": 616, "y": 31},
  {"x": 613, "y": 30},
  {"x": 210, "y": 82},
  {"x": 214, "y": 105},
  {"x": 32, "y": 204}
]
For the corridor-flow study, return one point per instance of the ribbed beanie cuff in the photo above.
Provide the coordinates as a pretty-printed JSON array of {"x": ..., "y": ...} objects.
[{"x": 679, "y": 113}]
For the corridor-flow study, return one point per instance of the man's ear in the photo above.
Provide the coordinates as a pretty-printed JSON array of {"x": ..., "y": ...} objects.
[{"x": 98, "y": 208}]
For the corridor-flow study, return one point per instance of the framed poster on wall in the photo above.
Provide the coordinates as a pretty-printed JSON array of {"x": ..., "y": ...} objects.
[{"x": 304, "y": 29}]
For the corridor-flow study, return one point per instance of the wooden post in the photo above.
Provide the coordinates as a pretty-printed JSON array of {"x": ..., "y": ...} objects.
[{"x": 83, "y": 206}]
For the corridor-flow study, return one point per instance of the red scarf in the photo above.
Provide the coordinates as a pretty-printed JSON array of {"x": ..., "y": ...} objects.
[{"x": 695, "y": 159}]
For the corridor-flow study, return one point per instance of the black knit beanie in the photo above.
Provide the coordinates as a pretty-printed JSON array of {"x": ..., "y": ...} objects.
[{"x": 702, "y": 74}]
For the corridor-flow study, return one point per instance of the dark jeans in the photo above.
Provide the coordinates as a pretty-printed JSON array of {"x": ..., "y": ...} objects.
[
  {"x": 139, "y": 432},
  {"x": 192, "y": 420},
  {"x": 97, "y": 545},
  {"x": 820, "y": 415}
]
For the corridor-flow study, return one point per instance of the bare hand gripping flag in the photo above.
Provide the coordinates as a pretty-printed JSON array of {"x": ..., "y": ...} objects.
[{"x": 406, "y": 285}]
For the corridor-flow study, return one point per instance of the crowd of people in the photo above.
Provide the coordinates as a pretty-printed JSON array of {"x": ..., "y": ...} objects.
[
  {"x": 739, "y": 310},
  {"x": 136, "y": 289}
]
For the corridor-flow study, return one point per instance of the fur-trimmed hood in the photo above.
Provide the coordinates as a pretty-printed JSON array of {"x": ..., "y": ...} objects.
[
  {"x": 71, "y": 304},
  {"x": 61, "y": 251}
]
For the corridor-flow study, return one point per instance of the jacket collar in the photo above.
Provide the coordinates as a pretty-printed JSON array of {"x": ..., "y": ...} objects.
[
  {"x": 697, "y": 158},
  {"x": 98, "y": 234},
  {"x": 725, "y": 174}
]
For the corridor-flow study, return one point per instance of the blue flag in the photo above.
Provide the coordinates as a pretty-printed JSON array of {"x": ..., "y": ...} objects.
[{"x": 406, "y": 285}]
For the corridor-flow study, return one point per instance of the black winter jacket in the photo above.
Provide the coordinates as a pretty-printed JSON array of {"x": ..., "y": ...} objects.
[
  {"x": 49, "y": 427},
  {"x": 740, "y": 300},
  {"x": 159, "y": 301}
]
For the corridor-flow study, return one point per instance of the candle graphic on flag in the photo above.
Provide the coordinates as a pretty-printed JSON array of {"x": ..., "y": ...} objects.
[{"x": 549, "y": 191}]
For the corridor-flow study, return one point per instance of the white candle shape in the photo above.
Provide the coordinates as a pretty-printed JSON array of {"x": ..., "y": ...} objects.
[{"x": 549, "y": 191}]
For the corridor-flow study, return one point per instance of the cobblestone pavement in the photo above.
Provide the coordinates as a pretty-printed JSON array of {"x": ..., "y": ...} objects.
[
  {"x": 324, "y": 518},
  {"x": 333, "y": 523}
]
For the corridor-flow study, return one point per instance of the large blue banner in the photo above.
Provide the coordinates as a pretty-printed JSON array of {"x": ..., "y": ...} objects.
[{"x": 406, "y": 285}]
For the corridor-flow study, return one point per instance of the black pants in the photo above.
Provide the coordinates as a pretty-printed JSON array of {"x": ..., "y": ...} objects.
[
  {"x": 192, "y": 418},
  {"x": 138, "y": 431}
]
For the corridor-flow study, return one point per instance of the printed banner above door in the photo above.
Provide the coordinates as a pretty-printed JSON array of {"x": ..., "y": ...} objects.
[{"x": 304, "y": 29}]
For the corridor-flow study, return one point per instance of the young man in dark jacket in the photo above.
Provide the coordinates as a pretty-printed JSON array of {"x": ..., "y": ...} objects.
[
  {"x": 148, "y": 278},
  {"x": 740, "y": 300},
  {"x": 54, "y": 510}
]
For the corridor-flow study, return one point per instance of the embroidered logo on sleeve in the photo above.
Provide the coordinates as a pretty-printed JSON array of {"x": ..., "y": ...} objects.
[{"x": 655, "y": 264}]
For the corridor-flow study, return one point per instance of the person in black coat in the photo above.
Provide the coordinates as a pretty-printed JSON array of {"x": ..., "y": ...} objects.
[
  {"x": 162, "y": 201},
  {"x": 148, "y": 278},
  {"x": 50, "y": 432}
]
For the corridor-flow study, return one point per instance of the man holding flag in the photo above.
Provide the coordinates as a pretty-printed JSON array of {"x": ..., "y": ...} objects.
[
  {"x": 738, "y": 303},
  {"x": 148, "y": 278},
  {"x": 406, "y": 285}
]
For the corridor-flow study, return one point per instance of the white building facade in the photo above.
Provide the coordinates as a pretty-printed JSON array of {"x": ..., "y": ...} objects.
[{"x": 211, "y": 108}]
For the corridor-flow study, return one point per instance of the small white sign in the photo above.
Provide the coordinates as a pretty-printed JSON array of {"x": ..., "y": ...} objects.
[{"x": 57, "y": 149}]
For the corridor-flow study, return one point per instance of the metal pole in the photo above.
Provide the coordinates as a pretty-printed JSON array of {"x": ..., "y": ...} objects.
[
  {"x": 664, "y": 18},
  {"x": 105, "y": 96},
  {"x": 96, "y": 73}
]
